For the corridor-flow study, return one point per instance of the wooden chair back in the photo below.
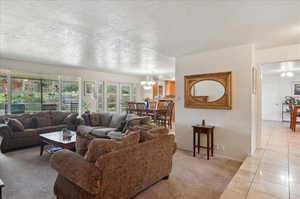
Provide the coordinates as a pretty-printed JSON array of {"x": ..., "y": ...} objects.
[
  {"x": 140, "y": 106},
  {"x": 152, "y": 105},
  {"x": 170, "y": 108},
  {"x": 131, "y": 107},
  {"x": 162, "y": 105},
  {"x": 294, "y": 116}
]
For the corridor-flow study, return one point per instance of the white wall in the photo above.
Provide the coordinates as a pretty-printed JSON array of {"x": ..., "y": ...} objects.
[
  {"x": 274, "y": 89},
  {"x": 83, "y": 74},
  {"x": 233, "y": 127},
  {"x": 278, "y": 54}
]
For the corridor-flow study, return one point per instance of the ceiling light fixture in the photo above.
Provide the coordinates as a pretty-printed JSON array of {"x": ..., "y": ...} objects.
[
  {"x": 148, "y": 84},
  {"x": 287, "y": 74}
]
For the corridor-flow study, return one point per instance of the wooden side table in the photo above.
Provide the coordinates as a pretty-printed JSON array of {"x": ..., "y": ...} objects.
[{"x": 209, "y": 132}]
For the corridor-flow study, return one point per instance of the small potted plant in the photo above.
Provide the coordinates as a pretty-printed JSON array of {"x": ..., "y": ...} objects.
[{"x": 66, "y": 133}]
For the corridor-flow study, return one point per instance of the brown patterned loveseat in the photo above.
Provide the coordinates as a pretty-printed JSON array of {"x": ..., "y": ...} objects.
[
  {"x": 32, "y": 126},
  {"x": 114, "y": 168}
]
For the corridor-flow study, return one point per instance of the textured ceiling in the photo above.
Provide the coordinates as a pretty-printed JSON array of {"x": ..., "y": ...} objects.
[{"x": 139, "y": 37}]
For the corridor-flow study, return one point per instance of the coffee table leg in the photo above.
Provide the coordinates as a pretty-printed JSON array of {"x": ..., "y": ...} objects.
[{"x": 42, "y": 148}]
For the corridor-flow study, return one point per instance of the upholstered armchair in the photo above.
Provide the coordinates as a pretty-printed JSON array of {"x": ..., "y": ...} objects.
[{"x": 118, "y": 174}]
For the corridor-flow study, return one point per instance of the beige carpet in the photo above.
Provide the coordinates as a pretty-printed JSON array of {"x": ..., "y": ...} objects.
[{"x": 28, "y": 176}]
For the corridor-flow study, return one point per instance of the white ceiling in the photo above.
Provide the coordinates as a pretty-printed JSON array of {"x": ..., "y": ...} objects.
[
  {"x": 279, "y": 67},
  {"x": 139, "y": 37}
]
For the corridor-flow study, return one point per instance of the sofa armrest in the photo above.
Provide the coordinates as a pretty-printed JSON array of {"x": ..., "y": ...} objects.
[
  {"x": 77, "y": 170},
  {"x": 5, "y": 131}
]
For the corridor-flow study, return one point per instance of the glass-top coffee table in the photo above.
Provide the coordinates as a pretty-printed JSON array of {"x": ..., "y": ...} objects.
[{"x": 58, "y": 140}]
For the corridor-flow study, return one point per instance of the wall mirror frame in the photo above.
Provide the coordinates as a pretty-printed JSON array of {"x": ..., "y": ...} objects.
[{"x": 224, "y": 101}]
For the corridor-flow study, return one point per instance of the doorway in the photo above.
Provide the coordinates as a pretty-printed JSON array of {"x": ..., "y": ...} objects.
[{"x": 280, "y": 84}]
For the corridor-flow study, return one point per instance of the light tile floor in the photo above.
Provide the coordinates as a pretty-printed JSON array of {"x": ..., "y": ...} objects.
[{"x": 273, "y": 172}]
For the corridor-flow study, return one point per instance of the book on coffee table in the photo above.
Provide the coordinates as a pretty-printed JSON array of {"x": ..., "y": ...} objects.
[{"x": 54, "y": 149}]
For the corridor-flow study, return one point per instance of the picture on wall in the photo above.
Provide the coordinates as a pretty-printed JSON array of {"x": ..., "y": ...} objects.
[
  {"x": 89, "y": 87},
  {"x": 296, "y": 88}
]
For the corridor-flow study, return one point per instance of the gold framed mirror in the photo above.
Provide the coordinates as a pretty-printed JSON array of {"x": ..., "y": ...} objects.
[{"x": 210, "y": 91}]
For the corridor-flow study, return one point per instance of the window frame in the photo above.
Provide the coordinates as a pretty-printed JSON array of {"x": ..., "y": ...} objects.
[
  {"x": 101, "y": 96},
  {"x": 117, "y": 96},
  {"x": 120, "y": 94}
]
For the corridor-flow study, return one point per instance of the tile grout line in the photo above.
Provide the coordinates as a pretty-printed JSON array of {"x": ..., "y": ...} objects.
[{"x": 252, "y": 181}]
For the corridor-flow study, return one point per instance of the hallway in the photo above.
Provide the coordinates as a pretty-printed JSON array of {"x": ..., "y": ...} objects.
[{"x": 274, "y": 170}]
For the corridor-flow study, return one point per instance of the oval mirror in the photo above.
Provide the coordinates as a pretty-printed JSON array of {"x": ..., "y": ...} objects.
[{"x": 208, "y": 90}]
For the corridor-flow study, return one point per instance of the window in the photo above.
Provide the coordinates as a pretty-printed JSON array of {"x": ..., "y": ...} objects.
[
  {"x": 3, "y": 94},
  {"x": 111, "y": 97},
  {"x": 50, "y": 93},
  {"x": 124, "y": 97},
  {"x": 100, "y": 97},
  {"x": 26, "y": 95},
  {"x": 70, "y": 96}
]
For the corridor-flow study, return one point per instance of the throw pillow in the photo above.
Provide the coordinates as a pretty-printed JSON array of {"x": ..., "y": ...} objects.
[
  {"x": 83, "y": 139},
  {"x": 27, "y": 122},
  {"x": 86, "y": 118},
  {"x": 95, "y": 119},
  {"x": 99, "y": 146},
  {"x": 148, "y": 134},
  {"x": 82, "y": 143},
  {"x": 131, "y": 123},
  {"x": 158, "y": 131},
  {"x": 15, "y": 125},
  {"x": 146, "y": 120}
]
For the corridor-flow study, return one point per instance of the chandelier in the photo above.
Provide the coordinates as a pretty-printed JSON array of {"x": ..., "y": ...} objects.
[
  {"x": 287, "y": 74},
  {"x": 148, "y": 84}
]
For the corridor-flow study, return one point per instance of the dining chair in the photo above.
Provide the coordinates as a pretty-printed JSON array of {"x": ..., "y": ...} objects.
[
  {"x": 295, "y": 115},
  {"x": 162, "y": 105},
  {"x": 141, "y": 109},
  {"x": 165, "y": 116},
  {"x": 152, "y": 105},
  {"x": 291, "y": 108},
  {"x": 152, "y": 110},
  {"x": 131, "y": 107},
  {"x": 170, "y": 114}
]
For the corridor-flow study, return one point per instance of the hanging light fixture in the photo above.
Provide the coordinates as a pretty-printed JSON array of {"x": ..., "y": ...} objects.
[
  {"x": 147, "y": 85},
  {"x": 287, "y": 74}
]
